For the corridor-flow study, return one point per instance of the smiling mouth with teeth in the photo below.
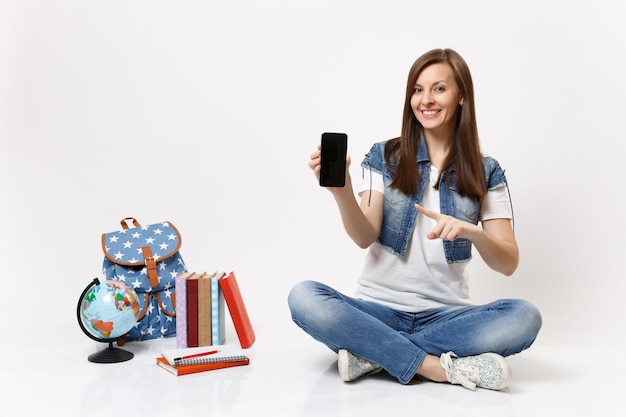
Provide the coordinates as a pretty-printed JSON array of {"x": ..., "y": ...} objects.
[{"x": 429, "y": 112}]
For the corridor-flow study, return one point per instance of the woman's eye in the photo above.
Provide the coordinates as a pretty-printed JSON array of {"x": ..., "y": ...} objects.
[
  {"x": 440, "y": 89},
  {"x": 418, "y": 89}
]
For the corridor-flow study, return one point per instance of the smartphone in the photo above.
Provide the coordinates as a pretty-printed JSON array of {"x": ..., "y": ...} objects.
[{"x": 333, "y": 159}]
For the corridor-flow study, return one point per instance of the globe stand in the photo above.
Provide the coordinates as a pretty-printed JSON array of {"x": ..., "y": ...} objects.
[{"x": 111, "y": 355}]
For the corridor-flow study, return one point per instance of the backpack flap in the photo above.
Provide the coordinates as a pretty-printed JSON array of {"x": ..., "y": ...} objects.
[{"x": 146, "y": 248}]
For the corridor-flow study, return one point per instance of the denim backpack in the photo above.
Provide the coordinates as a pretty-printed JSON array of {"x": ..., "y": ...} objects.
[{"x": 147, "y": 259}]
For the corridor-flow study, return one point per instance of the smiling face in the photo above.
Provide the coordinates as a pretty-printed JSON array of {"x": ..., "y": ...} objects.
[{"x": 436, "y": 99}]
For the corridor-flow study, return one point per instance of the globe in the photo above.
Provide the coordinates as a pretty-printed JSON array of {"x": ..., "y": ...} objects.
[{"x": 106, "y": 312}]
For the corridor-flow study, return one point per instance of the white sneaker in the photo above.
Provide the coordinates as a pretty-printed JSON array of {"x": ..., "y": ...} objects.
[
  {"x": 352, "y": 366},
  {"x": 487, "y": 370}
]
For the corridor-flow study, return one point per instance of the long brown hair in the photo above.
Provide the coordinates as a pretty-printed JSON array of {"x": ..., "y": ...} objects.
[{"x": 465, "y": 151}]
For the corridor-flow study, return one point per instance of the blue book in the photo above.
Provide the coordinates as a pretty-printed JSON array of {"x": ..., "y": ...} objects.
[{"x": 217, "y": 310}]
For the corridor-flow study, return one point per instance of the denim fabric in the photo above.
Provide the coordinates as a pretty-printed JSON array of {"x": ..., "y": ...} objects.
[
  {"x": 399, "y": 341},
  {"x": 399, "y": 209}
]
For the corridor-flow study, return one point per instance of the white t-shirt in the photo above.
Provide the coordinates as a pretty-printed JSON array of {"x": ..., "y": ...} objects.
[{"x": 421, "y": 279}]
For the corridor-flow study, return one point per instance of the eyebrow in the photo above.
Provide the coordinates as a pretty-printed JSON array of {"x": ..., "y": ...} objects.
[{"x": 435, "y": 83}]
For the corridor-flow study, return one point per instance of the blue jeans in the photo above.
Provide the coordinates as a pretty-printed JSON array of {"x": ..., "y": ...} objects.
[{"x": 399, "y": 341}]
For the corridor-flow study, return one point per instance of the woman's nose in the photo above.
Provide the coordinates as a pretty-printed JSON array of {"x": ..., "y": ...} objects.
[{"x": 427, "y": 97}]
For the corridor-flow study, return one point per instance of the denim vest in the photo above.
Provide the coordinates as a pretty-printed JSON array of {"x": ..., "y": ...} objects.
[{"x": 399, "y": 212}]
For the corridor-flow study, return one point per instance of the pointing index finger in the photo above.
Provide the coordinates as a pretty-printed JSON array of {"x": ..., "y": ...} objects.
[{"x": 428, "y": 213}]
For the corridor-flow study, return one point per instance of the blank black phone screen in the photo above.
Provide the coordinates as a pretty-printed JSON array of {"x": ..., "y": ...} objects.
[{"x": 333, "y": 159}]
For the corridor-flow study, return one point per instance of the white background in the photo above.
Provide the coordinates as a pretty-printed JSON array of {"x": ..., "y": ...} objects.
[{"x": 204, "y": 114}]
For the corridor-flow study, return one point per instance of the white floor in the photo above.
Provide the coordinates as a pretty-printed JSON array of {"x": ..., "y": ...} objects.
[{"x": 295, "y": 377}]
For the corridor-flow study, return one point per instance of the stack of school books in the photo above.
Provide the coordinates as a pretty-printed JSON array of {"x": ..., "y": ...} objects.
[
  {"x": 193, "y": 360},
  {"x": 200, "y": 310}
]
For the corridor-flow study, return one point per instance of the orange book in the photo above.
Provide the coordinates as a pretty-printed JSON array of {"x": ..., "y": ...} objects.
[
  {"x": 237, "y": 309},
  {"x": 202, "y": 367}
]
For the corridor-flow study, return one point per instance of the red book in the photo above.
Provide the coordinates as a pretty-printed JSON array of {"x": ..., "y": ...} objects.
[
  {"x": 192, "y": 369},
  {"x": 237, "y": 310},
  {"x": 192, "y": 311}
]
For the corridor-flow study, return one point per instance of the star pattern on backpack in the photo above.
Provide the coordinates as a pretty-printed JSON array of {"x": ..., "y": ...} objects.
[{"x": 124, "y": 261}]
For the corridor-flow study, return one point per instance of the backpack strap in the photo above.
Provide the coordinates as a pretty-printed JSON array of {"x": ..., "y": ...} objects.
[
  {"x": 151, "y": 266},
  {"x": 124, "y": 222}
]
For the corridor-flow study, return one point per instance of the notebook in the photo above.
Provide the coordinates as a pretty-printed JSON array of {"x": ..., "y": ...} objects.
[
  {"x": 200, "y": 359},
  {"x": 203, "y": 355},
  {"x": 192, "y": 369}
]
